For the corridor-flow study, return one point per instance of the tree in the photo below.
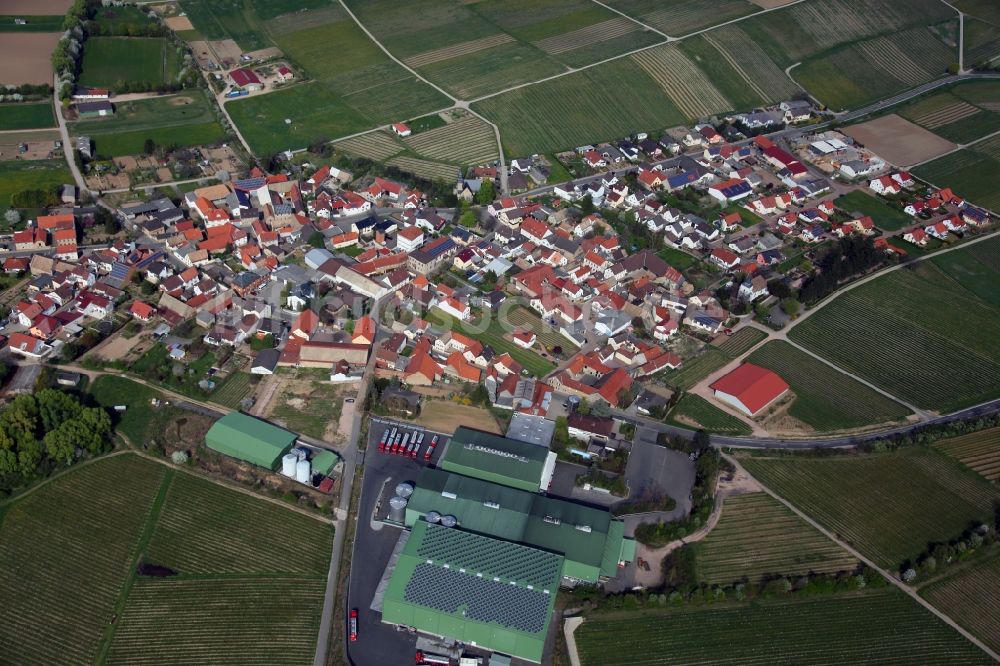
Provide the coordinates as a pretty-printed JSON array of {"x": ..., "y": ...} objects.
[
  {"x": 12, "y": 217},
  {"x": 148, "y": 146},
  {"x": 587, "y": 205},
  {"x": 317, "y": 240},
  {"x": 791, "y": 307},
  {"x": 485, "y": 195},
  {"x": 468, "y": 219}
]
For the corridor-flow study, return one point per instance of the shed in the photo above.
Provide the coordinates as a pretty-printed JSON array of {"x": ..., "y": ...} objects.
[
  {"x": 509, "y": 462},
  {"x": 249, "y": 439}
]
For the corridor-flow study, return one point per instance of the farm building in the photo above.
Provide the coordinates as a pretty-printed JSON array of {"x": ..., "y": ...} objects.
[
  {"x": 101, "y": 109},
  {"x": 249, "y": 439},
  {"x": 482, "y": 591},
  {"x": 246, "y": 79},
  {"x": 589, "y": 539},
  {"x": 496, "y": 459},
  {"x": 750, "y": 388}
]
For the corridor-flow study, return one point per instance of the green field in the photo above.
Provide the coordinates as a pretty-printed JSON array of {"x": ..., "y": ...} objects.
[
  {"x": 861, "y": 203},
  {"x": 884, "y": 331},
  {"x": 524, "y": 318},
  {"x": 972, "y": 172},
  {"x": 888, "y": 506},
  {"x": 51, "y": 23},
  {"x": 873, "y": 627},
  {"x": 969, "y": 597},
  {"x": 695, "y": 369},
  {"x": 120, "y": 20},
  {"x": 979, "y": 451},
  {"x": 680, "y": 17},
  {"x": 875, "y": 69},
  {"x": 182, "y": 120},
  {"x": 962, "y": 114},
  {"x": 693, "y": 408},
  {"x": 137, "y": 422},
  {"x": 758, "y": 537},
  {"x": 742, "y": 341},
  {"x": 112, "y": 61},
  {"x": 223, "y": 19},
  {"x": 26, "y": 116},
  {"x": 17, "y": 176},
  {"x": 68, "y": 558},
  {"x": 493, "y": 336},
  {"x": 234, "y": 390},
  {"x": 826, "y": 399}
]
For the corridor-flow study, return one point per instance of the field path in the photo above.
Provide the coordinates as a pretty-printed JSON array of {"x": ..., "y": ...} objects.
[
  {"x": 885, "y": 574},
  {"x": 634, "y": 20}
]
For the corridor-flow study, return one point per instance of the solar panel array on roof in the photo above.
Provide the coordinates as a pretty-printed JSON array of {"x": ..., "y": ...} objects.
[
  {"x": 479, "y": 554},
  {"x": 479, "y": 599},
  {"x": 250, "y": 183}
]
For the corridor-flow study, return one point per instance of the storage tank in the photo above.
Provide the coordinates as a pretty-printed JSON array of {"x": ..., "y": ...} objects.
[
  {"x": 433, "y": 517},
  {"x": 397, "y": 509},
  {"x": 404, "y": 490},
  {"x": 449, "y": 521},
  {"x": 300, "y": 453},
  {"x": 288, "y": 462},
  {"x": 303, "y": 471}
]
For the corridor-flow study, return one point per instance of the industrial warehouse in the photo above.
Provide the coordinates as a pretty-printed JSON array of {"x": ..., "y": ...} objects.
[{"x": 485, "y": 552}]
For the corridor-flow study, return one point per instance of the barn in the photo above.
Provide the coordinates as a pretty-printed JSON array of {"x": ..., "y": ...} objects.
[
  {"x": 249, "y": 439},
  {"x": 750, "y": 388}
]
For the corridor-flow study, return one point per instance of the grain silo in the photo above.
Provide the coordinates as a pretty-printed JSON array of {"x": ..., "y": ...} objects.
[
  {"x": 303, "y": 471},
  {"x": 397, "y": 510},
  {"x": 288, "y": 462}
]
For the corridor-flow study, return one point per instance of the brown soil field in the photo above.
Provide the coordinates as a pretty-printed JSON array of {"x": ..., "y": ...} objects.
[
  {"x": 899, "y": 141},
  {"x": 445, "y": 415},
  {"x": 227, "y": 51},
  {"x": 40, "y": 144},
  {"x": 34, "y": 7},
  {"x": 178, "y": 23},
  {"x": 27, "y": 57},
  {"x": 202, "y": 53}
]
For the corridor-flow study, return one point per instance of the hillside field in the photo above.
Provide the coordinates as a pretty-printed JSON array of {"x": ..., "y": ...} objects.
[
  {"x": 249, "y": 573},
  {"x": 888, "y": 506},
  {"x": 826, "y": 399},
  {"x": 757, "y": 537},
  {"x": 874, "y": 627},
  {"x": 875, "y": 330}
]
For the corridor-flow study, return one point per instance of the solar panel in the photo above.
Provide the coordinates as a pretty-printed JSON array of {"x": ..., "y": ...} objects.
[{"x": 478, "y": 599}]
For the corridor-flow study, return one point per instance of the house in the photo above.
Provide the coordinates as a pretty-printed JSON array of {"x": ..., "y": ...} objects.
[
  {"x": 938, "y": 231},
  {"x": 525, "y": 339},
  {"x": 724, "y": 258},
  {"x": 750, "y": 388},
  {"x": 285, "y": 74},
  {"x": 733, "y": 189},
  {"x": 885, "y": 186},
  {"x": 754, "y": 288},
  {"x": 265, "y": 362},
  {"x": 246, "y": 79},
  {"x": 364, "y": 331},
  {"x": 917, "y": 237},
  {"x": 587, "y": 428},
  {"x": 401, "y": 129},
  {"x": 142, "y": 311},
  {"x": 796, "y": 110},
  {"x": 28, "y": 346},
  {"x": 409, "y": 239},
  {"x": 594, "y": 160},
  {"x": 455, "y": 308}
]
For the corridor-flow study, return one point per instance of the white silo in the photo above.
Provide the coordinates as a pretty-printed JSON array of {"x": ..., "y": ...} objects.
[
  {"x": 449, "y": 521},
  {"x": 433, "y": 517},
  {"x": 397, "y": 510},
  {"x": 303, "y": 471},
  {"x": 288, "y": 462},
  {"x": 404, "y": 490}
]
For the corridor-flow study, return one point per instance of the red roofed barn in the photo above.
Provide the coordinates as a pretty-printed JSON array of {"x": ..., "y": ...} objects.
[{"x": 750, "y": 388}]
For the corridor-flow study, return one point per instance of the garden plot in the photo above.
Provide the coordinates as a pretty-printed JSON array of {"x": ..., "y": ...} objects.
[
  {"x": 591, "y": 34},
  {"x": 425, "y": 168},
  {"x": 378, "y": 145},
  {"x": 457, "y": 50},
  {"x": 682, "y": 81},
  {"x": 465, "y": 141}
]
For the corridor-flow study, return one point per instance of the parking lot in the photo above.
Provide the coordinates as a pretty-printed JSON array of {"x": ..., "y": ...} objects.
[{"x": 379, "y": 643}]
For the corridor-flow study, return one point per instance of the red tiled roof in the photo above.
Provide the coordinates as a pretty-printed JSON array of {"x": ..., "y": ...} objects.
[{"x": 755, "y": 387}]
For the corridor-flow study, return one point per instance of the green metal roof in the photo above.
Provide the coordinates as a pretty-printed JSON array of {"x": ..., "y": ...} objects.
[
  {"x": 494, "y": 458},
  {"x": 507, "y": 513},
  {"x": 324, "y": 461},
  {"x": 475, "y": 589},
  {"x": 250, "y": 439}
]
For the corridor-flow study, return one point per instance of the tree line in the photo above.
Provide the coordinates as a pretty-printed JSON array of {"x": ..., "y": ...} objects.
[{"x": 850, "y": 257}]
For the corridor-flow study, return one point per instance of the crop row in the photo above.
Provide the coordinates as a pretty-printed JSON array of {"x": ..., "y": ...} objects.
[
  {"x": 742, "y": 340},
  {"x": 694, "y": 410},
  {"x": 753, "y": 62},
  {"x": 946, "y": 114},
  {"x": 979, "y": 451},
  {"x": 374, "y": 145},
  {"x": 684, "y": 17},
  {"x": 969, "y": 597},
  {"x": 233, "y": 621},
  {"x": 591, "y": 34},
  {"x": 872, "y": 627},
  {"x": 756, "y": 536},
  {"x": 64, "y": 553},
  {"x": 887, "y": 506},
  {"x": 682, "y": 80},
  {"x": 465, "y": 141},
  {"x": 457, "y": 50},
  {"x": 425, "y": 168},
  {"x": 205, "y": 528}
]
